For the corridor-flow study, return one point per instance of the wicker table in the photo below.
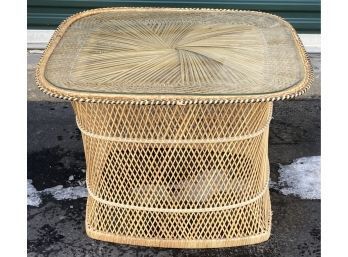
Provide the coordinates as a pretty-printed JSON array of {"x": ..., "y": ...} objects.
[{"x": 174, "y": 107}]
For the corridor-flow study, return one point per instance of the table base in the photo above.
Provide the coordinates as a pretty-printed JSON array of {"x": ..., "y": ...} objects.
[{"x": 179, "y": 176}]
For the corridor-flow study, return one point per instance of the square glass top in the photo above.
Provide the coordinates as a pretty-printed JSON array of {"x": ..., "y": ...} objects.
[{"x": 164, "y": 53}]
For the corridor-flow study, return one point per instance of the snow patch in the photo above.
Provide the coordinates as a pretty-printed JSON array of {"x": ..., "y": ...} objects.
[
  {"x": 58, "y": 192},
  {"x": 33, "y": 196},
  {"x": 300, "y": 178},
  {"x": 68, "y": 193}
]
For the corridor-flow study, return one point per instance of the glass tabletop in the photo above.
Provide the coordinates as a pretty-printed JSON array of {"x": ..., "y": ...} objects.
[{"x": 162, "y": 51}]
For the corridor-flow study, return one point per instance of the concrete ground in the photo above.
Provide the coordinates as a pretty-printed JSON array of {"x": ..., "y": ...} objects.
[{"x": 55, "y": 152}]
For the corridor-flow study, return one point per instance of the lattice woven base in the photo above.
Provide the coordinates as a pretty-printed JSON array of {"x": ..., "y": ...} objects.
[{"x": 187, "y": 176}]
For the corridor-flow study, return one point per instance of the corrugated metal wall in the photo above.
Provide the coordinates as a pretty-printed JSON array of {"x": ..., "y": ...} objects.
[{"x": 304, "y": 15}]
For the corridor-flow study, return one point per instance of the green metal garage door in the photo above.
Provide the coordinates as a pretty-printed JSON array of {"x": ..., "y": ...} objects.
[{"x": 303, "y": 15}]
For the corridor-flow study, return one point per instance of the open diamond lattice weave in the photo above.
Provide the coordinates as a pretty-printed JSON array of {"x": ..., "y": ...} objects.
[{"x": 174, "y": 106}]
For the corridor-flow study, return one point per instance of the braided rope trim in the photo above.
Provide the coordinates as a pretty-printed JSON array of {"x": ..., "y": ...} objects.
[
  {"x": 173, "y": 210},
  {"x": 46, "y": 87},
  {"x": 177, "y": 141}
]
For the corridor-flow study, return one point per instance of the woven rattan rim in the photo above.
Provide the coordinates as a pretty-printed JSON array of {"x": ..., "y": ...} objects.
[
  {"x": 212, "y": 243},
  {"x": 71, "y": 95}
]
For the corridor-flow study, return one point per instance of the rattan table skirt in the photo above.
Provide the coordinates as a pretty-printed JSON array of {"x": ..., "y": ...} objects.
[{"x": 183, "y": 176}]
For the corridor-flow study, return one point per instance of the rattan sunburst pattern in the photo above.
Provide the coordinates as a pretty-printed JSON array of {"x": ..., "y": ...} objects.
[
  {"x": 186, "y": 55},
  {"x": 174, "y": 106}
]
